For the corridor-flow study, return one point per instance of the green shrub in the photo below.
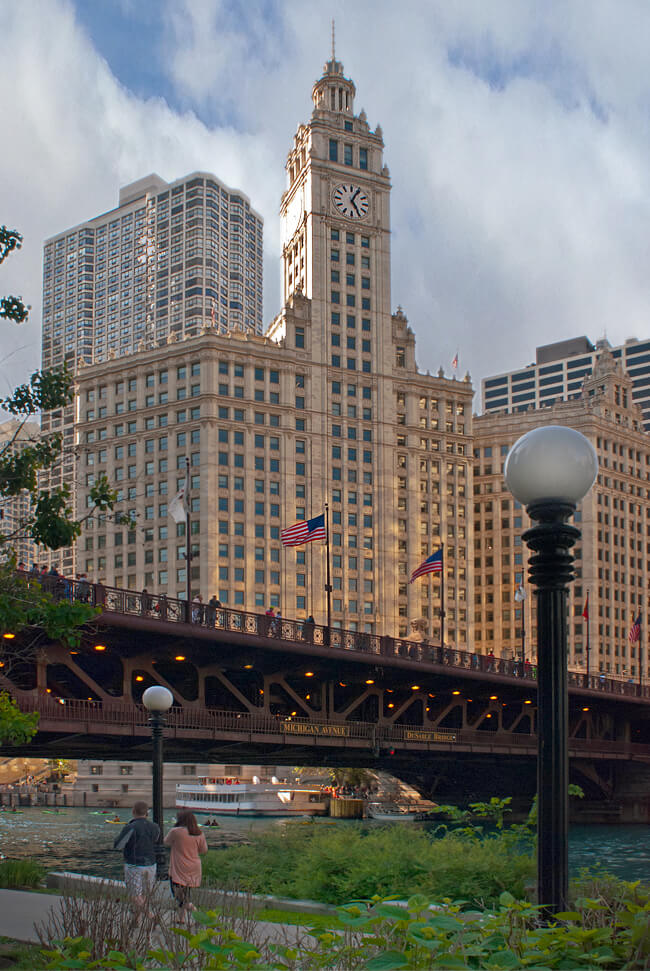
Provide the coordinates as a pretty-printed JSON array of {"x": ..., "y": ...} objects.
[
  {"x": 379, "y": 936},
  {"x": 336, "y": 864},
  {"x": 20, "y": 873}
]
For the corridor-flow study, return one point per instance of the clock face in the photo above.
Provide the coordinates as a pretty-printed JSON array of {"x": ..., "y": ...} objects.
[{"x": 351, "y": 201}]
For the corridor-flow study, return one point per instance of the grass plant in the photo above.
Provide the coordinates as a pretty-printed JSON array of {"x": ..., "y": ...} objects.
[{"x": 20, "y": 874}]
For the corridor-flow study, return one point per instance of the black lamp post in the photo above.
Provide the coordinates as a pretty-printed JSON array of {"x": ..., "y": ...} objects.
[
  {"x": 549, "y": 470},
  {"x": 158, "y": 700}
]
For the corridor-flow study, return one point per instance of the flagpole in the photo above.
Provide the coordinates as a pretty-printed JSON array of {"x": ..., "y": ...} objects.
[
  {"x": 328, "y": 584},
  {"x": 588, "y": 645},
  {"x": 442, "y": 598},
  {"x": 640, "y": 665},
  {"x": 188, "y": 554},
  {"x": 523, "y": 635}
]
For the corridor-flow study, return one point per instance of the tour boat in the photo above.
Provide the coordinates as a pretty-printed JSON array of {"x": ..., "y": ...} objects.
[{"x": 230, "y": 797}]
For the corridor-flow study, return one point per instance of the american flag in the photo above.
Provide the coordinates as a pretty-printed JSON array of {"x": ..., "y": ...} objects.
[
  {"x": 635, "y": 631},
  {"x": 454, "y": 363},
  {"x": 304, "y": 532},
  {"x": 433, "y": 564},
  {"x": 585, "y": 612}
]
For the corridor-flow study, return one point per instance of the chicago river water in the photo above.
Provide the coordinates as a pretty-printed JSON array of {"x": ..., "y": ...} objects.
[{"x": 81, "y": 840}]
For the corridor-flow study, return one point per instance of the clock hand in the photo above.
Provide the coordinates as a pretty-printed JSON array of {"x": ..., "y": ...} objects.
[
  {"x": 355, "y": 206},
  {"x": 354, "y": 196}
]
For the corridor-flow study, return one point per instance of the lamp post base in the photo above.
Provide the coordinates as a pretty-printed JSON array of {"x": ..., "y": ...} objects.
[{"x": 162, "y": 862}]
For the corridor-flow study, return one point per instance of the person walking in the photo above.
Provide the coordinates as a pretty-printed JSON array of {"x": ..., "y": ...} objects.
[
  {"x": 187, "y": 843},
  {"x": 213, "y": 604},
  {"x": 308, "y": 629},
  {"x": 276, "y": 625},
  {"x": 197, "y": 609},
  {"x": 270, "y": 614},
  {"x": 137, "y": 840}
]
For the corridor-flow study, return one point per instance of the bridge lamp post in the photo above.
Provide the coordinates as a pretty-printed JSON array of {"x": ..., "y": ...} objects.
[
  {"x": 549, "y": 470},
  {"x": 158, "y": 700}
]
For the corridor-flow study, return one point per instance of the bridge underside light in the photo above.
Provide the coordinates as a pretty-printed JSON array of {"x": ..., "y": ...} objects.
[
  {"x": 179, "y": 657},
  {"x": 8, "y": 636},
  {"x": 139, "y": 677},
  {"x": 247, "y": 667},
  {"x": 528, "y": 701},
  {"x": 493, "y": 698},
  {"x": 369, "y": 681},
  {"x": 585, "y": 709},
  {"x": 100, "y": 647},
  {"x": 455, "y": 692}
]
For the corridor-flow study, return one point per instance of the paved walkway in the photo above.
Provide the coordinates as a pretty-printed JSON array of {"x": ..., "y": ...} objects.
[{"x": 20, "y": 910}]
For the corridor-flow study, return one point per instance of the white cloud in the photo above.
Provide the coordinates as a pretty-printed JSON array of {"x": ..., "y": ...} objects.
[{"x": 516, "y": 134}]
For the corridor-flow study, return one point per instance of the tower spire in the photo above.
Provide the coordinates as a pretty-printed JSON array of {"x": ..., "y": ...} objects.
[{"x": 333, "y": 40}]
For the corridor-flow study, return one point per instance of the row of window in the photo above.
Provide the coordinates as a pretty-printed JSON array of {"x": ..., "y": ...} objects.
[
  {"x": 347, "y": 154},
  {"x": 131, "y": 427}
]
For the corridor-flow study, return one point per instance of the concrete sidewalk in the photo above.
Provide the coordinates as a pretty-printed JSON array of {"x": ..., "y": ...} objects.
[{"x": 20, "y": 910}]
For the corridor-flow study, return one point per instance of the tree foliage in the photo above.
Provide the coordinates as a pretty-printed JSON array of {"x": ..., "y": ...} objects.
[
  {"x": 16, "y": 727},
  {"x": 27, "y": 609}
]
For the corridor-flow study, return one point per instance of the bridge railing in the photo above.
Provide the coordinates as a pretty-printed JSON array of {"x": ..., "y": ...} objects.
[
  {"x": 160, "y": 607},
  {"x": 106, "y": 715}
]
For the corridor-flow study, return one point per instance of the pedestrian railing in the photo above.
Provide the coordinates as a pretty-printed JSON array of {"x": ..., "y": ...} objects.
[
  {"x": 217, "y": 722},
  {"x": 165, "y": 609}
]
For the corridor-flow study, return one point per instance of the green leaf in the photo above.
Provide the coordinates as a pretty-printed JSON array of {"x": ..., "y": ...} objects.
[
  {"x": 388, "y": 961},
  {"x": 506, "y": 899}
]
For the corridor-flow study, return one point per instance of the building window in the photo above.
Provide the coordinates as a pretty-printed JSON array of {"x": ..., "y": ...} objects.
[
  {"x": 334, "y": 150},
  {"x": 363, "y": 158},
  {"x": 347, "y": 154}
]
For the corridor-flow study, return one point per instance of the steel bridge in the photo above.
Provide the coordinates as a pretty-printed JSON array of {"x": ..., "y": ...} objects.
[{"x": 251, "y": 688}]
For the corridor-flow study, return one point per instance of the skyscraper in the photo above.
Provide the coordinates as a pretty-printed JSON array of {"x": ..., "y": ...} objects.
[
  {"x": 171, "y": 259},
  {"x": 329, "y": 406},
  {"x": 558, "y": 374}
]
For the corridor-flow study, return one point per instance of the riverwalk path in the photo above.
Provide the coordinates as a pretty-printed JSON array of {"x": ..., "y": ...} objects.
[{"x": 21, "y": 910}]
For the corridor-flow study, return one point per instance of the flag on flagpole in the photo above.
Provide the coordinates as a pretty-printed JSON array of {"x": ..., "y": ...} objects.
[
  {"x": 305, "y": 531},
  {"x": 635, "y": 631},
  {"x": 585, "y": 612},
  {"x": 179, "y": 507},
  {"x": 520, "y": 593},
  {"x": 212, "y": 315},
  {"x": 454, "y": 363},
  {"x": 433, "y": 564}
]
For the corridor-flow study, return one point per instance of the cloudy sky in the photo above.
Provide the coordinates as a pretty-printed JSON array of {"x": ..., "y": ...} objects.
[{"x": 517, "y": 136}]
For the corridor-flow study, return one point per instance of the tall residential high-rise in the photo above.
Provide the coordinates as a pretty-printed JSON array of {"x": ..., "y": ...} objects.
[
  {"x": 612, "y": 566},
  {"x": 558, "y": 372},
  {"x": 171, "y": 259},
  {"x": 328, "y": 407}
]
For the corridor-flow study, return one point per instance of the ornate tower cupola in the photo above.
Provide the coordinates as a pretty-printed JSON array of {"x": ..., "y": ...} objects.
[{"x": 334, "y": 92}]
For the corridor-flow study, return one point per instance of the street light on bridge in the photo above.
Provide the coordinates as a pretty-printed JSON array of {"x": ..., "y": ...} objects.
[
  {"x": 549, "y": 470},
  {"x": 158, "y": 700}
]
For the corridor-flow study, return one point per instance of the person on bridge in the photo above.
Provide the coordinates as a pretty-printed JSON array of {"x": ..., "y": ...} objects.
[
  {"x": 187, "y": 843},
  {"x": 308, "y": 629},
  {"x": 137, "y": 840}
]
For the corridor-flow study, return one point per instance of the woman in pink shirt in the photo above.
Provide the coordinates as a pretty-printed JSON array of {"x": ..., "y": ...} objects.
[{"x": 187, "y": 843}]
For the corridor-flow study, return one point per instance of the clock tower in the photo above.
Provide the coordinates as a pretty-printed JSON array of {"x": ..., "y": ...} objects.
[
  {"x": 336, "y": 226},
  {"x": 386, "y": 446}
]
